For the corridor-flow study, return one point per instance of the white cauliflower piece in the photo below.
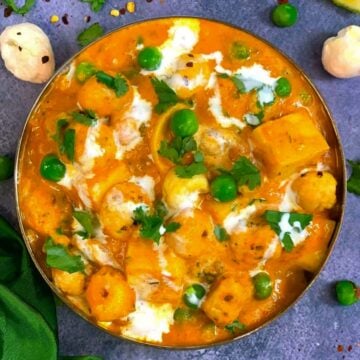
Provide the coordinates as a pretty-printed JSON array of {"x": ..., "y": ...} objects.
[
  {"x": 341, "y": 54},
  {"x": 27, "y": 52}
]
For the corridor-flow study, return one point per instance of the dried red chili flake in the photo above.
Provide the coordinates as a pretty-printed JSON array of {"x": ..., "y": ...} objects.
[
  {"x": 283, "y": 1},
  {"x": 7, "y": 11},
  {"x": 65, "y": 19},
  {"x": 340, "y": 348},
  {"x": 122, "y": 11},
  {"x": 349, "y": 347}
]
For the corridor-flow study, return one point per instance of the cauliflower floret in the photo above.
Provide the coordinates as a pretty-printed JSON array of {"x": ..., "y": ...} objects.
[
  {"x": 27, "y": 52},
  {"x": 316, "y": 191},
  {"x": 341, "y": 54},
  {"x": 180, "y": 193}
]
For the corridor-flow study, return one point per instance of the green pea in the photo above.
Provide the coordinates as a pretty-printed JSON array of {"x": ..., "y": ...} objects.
[
  {"x": 283, "y": 87},
  {"x": 150, "y": 58},
  {"x": 284, "y": 15},
  {"x": 183, "y": 314},
  {"x": 6, "y": 167},
  {"x": 239, "y": 51},
  {"x": 224, "y": 188},
  {"x": 263, "y": 285},
  {"x": 193, "y": 296},
  {"x": 84, "y": 71},
  {"x": 184, "y": 123},
  {"x": 346, "y": 292},
  {"x": 51, "y": 168}
]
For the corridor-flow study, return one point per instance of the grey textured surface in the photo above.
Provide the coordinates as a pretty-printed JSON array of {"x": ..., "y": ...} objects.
[{"x": 316, "y": 325}]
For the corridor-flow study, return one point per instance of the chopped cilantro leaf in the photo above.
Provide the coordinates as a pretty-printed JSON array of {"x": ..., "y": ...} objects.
[
  {"x": 188, "y": 171},
  {"x": 89, "y": 34},
  {"x": 61, "y": 124},
  {"x": 69, "y": 144},
  {"x": 199, "y": 157},
  {"x": 221, "y": 233},
  {"x": 96, "y": 5},
  {"x": 166, "y": 95},
  {"x": 353, "y": 184},
  {"x": 152, "y": 225},
  {"x": 235, "y": 327},
  {"x": 58, "y": 257},
  {"x": 238, "y": 84},
  {"x": 177, "y": 148},
  {"x": 21, "y": 10},
  {"x": 160, "y": 208},
  {"x": 169, "y": 152},
  {"x": 116, "y": 83},
  {"x": 86, "y": 220},
  {"x": 85, "y": 117},
  {"x": 246, "y": 173},
  {"x": 297, "y": 221}
]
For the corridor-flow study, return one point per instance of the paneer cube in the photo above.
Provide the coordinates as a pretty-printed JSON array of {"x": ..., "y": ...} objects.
[
  {"x": 288, "y": 143},
  {"x": 224, "y": 301}
]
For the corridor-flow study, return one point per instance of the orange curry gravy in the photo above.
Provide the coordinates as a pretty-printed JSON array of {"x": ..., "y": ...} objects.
[{"x": 134, "y": 284}]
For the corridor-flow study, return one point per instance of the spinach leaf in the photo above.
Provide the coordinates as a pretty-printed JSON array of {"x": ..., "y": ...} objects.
[
  {"x": 90, "y": 34},
  {"x": 353, "y": 184},
  {"x": 58, "y": 257}
]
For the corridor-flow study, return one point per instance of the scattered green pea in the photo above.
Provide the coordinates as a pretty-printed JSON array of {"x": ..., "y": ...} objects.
[
  {"x": 224, "y": 188},
  {"x": 283, "y": 87},
  {"x": 184, "y": 123},
  {"x": 284, "y": 15},
  {"x": 183, "y": 314},
  {"x": 51, "y": 168},
  {"x": 346, "y": 292},
  {"x": 193, "y": 296},
  {"x": 150, "y": 58},
  {"x": 239, "y": 51},
  {"x": 263, "y": 285}
]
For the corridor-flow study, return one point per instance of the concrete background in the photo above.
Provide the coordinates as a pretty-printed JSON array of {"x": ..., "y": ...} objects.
[{"x": 316, "y": 326}]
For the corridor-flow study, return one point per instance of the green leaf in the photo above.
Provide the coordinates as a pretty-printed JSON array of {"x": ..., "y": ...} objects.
[
  {"x": 169, "y": 152},
  {"x": 24, "y": 332},
  {"x": 160, "y": 209},
  {"x": 177, "y": 148},
  {"x": 116, "y": 83},
  {"x": 85, "y": 117},
  {"x": 61, "y": 124},
  {"x": 246, "y": 173},
  {"x": 172, "y": 227},
  {"x": 21, "y": 277},
  {"x": 353, "y": 184},
  {"x": 90, "y": 34},
  {"x": 86, "y": 220},
  {"x": 149, "y": 224},
  {"x": 69, "y": 144},
  {"x": 239, "y": 51},
  {"x": 298, "y": 222},
  {"x": 235, "y": 327},
  {"x": 166, "y": 95},
  {"x": 221, "y": 233},
  {"x": 96, "y": 5},
  {"x": 58, "y": 257},
  {"x": 84, "y": 71},
  {"x": 238, "y": 84},
  {"x": 188, "y": 171},
  {"x": 21, "y": 10}
]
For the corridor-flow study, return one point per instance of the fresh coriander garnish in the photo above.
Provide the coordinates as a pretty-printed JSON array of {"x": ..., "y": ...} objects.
[
  {"x": 152, "y": 225},
  {"x": 61, "y": 124},
  {"x": 353, "y": 184},
  {"x": 85, "y": 117},
  {"x": 95, "y": 5},
  {"x": 188, "y": 171},
  {"x": 287, "y": 225},
  {"x": 166, "y": 95},
  {"x": 21, "y": 10},
  {"x": 246, "y": 173},
  {"x": 116, "y": 83},
  {"x": 221, "y": 234},
  {"x": 177, "y": 148},
  {"x": 89, "y": 34},
  {"x": 86, "y": 220},
  {"x": 235, "y": 327},
  {"x": 69, "y": 144},
  {"x": 58, "y": 257}
]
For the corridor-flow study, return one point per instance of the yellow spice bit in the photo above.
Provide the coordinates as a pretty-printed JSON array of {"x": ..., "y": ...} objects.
[
  {"x": 115, "y": 12},
  {"x": 130, "y": 6},
  {"x": 54, "y": 19}
]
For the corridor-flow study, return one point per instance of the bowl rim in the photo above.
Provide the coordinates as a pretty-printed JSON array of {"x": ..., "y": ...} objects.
[{"x": 331, "y": 245}]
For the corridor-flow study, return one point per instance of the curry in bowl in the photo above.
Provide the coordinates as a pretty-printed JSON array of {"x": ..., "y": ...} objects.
[{"x": 178, "y": 182}]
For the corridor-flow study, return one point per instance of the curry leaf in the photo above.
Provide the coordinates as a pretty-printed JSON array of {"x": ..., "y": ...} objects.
[
  {"x": 90, "y": 34},
  {"x": 353, "y": 184},
  {"x": 58, "y": 257},
  {"x": 246, "y": 173}
]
